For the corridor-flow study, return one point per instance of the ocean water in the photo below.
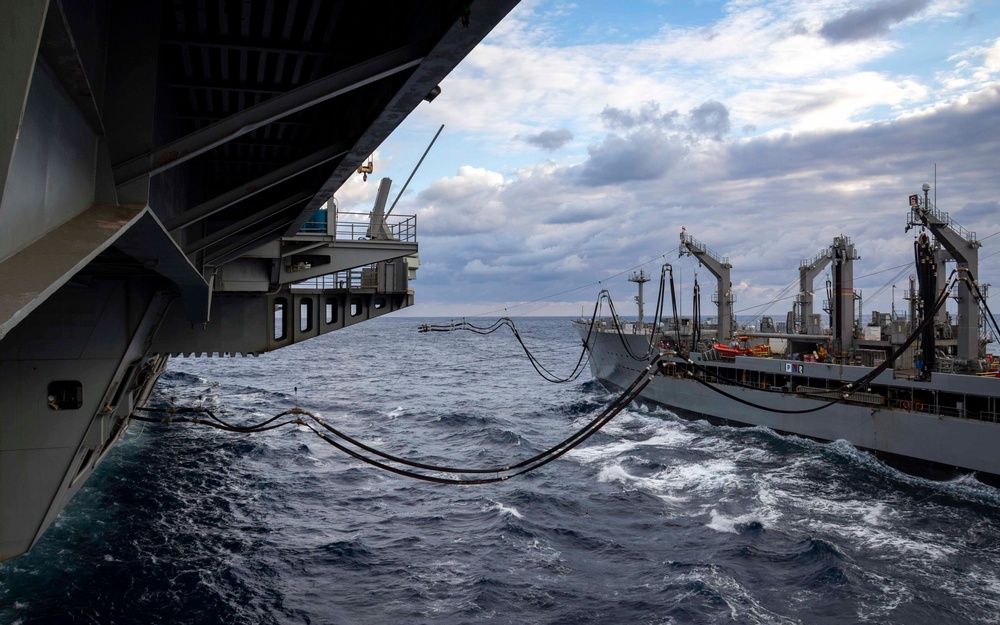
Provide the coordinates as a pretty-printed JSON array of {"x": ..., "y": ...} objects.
[{"x": 654, "y": 520}]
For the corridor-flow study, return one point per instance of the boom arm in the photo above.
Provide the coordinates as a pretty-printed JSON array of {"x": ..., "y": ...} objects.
[
  {"x": 720, "y": 268},
  {"x": 964, "y": 248},
  {"x": 808, "y": 270}
]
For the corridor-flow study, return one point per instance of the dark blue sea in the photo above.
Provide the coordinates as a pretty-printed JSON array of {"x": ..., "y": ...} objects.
[{"x": 654, "y": 520}]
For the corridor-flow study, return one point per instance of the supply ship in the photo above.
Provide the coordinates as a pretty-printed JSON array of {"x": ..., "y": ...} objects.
[
  {"x": 916, "y": 386},
  {"x": 167, "y": 170}
]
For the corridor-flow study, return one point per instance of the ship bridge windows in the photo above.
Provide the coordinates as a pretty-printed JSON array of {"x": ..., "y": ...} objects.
[{"x": 65, "y": 395}]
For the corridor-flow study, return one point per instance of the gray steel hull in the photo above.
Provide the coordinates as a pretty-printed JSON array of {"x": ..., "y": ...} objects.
[{"x": 968, "y": 444}]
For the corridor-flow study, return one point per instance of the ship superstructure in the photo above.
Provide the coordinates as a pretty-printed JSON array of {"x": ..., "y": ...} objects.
[
  {"x": 917, "y": 385},
  {"x": 166, "y": 172}
]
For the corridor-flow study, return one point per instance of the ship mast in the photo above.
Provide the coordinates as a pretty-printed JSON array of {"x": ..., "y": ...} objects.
[
  {"x": 639, "y": 277},
  {"x": 719, "y": 267}
]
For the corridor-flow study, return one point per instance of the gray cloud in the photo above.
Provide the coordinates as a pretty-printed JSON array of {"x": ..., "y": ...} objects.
[
  {"x": 765, "y": 202},
  {"x": 958, "y": 133},
  {"x": 871, "y": 21},
  {"x": 641, "y": 155},
  {"x": 975, "y": 211},
  {"x": 648, "y": 115},
  {"x": 577, "y": 214},
  {"x": 710, "y": 119},
  {"x": 548, "y": 139}
]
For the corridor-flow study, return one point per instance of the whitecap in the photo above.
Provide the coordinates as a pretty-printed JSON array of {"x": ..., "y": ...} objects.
[
  {"x": 718, "y": 474},
  {"x": 730, "y": 525},
  {"x": 873, "y": 514},
  {"x": 666, "y": 436},
  {"x": 614, "y": 473},
  {"x": 652, "y": 485},
  {"x": 505, "y": 510}
]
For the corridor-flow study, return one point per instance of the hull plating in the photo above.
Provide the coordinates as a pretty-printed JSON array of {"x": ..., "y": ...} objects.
[{"x": 963, "y": 443}]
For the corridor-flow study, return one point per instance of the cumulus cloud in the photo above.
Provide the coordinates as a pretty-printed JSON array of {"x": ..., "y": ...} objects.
[
  {"x": 872, "y": 21},
  {"x": 767, "y": 133},
  {"x": 711, "y": 119},
  {"x": 464, "y": 204},
  {"x": 974, "y": 68},
  {"x": 648, "y": 114},
  {"x": 767, "y": 202},
  {"x": 642, "y": 155},
  {"x": 655, "y": 143},
  {"x": 548, "y": 139}
]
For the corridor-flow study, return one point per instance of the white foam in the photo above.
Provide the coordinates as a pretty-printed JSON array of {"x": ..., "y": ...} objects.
[
  {"x": 874, "y": 514},
  {"x": 874, "y": 525},
  {"x": 505, "y": 510},
  {"x": 659, "y": 434},
  {"x": 743, "y": 607},
  {"x": 729, "y": 525},
  {"x": 614, "y": 473},
  {"x": 396, "y": 412},
  {"x": 976, "y": 587},
  {"x": 712, "y": 477},
  {"x": 716, "y": 474},
  {"x": 894, "y": 593}
]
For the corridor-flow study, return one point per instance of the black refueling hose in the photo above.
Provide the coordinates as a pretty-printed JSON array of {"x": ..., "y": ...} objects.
[{"x": 341, "y": 440}]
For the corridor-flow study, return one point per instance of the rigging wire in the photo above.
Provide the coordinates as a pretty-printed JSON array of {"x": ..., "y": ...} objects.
[
  {"x": 777, "y": 298},
  {"x": 780, "y": 299},
  {"x": 896, "y": 278},
  {"x": 589, "y": 285},
  {"x": 990, "y": 319},
  {"x": 666, "y": 268}
]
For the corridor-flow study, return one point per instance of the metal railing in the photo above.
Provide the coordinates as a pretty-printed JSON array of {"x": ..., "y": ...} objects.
[
  {"x": 840, "y": 241},
  {"x": 357, "y": 278},
  {"x": 815, "y": 259},
  {"x": 731, "y": 296},
  {"x": 354, "y": 226},
  {"x": 928, "y": 209},
  {"x": 695, "y": 246}
]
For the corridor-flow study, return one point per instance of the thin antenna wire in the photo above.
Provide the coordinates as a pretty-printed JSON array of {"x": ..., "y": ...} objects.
[{"x": 388, "y": 212}]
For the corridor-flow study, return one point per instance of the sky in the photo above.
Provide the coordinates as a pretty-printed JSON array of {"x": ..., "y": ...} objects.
[{"x": 581, "y": 137}]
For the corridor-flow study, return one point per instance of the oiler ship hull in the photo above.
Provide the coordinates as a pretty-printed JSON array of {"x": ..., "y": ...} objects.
[{"x": 935, "y": 425}]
